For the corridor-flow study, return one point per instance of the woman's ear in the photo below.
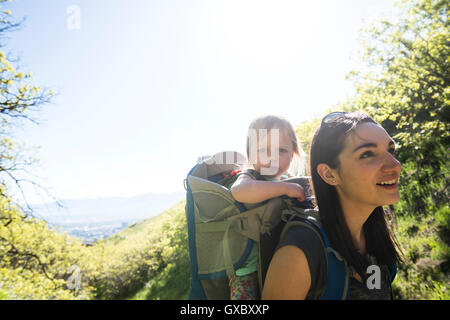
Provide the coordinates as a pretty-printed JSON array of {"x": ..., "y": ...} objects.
[{"x": 327, "y": 174}]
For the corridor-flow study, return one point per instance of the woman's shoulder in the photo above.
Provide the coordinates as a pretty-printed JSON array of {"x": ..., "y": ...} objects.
[
  {"x": 288, "y": 276},
  {"x": 302, "y": 235},
  {"x": 309, "y": 241}
]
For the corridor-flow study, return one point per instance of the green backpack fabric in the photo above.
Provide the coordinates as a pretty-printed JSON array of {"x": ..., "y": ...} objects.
[{"x": 221, "y": 230}]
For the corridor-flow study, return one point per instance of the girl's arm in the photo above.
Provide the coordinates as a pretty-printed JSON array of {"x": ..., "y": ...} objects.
[
  {"x": 248, "y": 190},
  {"x": 288, "y": 276}
]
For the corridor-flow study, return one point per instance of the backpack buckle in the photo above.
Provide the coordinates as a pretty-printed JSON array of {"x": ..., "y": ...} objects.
[
  {"x": 232, "y": 173},
  {"x": 243, "y": 224}
]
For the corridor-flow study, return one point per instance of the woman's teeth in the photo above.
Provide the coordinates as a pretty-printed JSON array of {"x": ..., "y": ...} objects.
[{"x": 393, "y": 181}]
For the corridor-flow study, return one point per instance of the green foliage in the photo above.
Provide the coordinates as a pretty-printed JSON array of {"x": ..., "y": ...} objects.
[
  {"x": 443, "y": 218},
  {"x": 20, "y": 100},
  {"x": 305, "y": 132},
  {"x": 4, "y": 296},
  {"x": 34, "y": 260},
  {"x": 173, "y": 282},
  {"x": 424, "y": 275}
]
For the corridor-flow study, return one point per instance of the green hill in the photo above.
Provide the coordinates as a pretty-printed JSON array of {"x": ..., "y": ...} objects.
[{"x": 147, "y": 260}]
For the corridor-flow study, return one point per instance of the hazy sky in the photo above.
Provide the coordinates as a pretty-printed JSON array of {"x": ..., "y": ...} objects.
[{"x": 145, "y": 87}]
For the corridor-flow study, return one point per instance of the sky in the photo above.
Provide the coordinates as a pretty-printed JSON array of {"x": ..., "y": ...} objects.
[{"x": 145, "y": 87}]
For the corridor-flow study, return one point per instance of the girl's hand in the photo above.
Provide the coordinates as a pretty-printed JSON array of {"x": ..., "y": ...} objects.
[{"x": 294, "y": 190}]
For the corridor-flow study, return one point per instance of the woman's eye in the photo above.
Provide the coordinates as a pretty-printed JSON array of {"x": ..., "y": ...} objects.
[{"x": 366, "y": 154}]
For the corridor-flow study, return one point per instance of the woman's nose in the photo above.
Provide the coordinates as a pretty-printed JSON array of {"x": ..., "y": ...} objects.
[{"x": 391, "y": 163}]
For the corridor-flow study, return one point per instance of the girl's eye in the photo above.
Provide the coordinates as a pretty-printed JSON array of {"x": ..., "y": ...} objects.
[
  {"x": 366, "y": 155},
  {"x": 283, "y": 150}
]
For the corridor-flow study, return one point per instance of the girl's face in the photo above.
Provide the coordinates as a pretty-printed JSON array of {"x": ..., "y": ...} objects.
[
  {"x": 368, "y": 172},
  {"x": 273, "y": 160}
]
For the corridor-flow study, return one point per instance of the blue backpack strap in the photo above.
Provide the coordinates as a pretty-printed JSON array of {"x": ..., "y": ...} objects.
[
  {"x": 197, "y": 292},
  {"x": 338, "y": 278},
  {"x": 393, "y": 271}
]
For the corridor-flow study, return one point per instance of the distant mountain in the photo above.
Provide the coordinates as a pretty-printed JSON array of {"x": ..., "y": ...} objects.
[
  {"x": 93, "y": 219},
  {"x": 108, "y": 209}
]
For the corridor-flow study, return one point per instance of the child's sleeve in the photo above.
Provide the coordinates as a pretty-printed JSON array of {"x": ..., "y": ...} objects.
[{"x": 250, "y": 173}]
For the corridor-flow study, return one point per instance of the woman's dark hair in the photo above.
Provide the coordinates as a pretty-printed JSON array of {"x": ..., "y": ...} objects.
[{"x": 327, "y": 144}]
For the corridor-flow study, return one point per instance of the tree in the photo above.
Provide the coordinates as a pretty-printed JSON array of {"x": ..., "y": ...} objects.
[
  {"x": 20, "y": 101},
  {"x": 31, "y": 256}
]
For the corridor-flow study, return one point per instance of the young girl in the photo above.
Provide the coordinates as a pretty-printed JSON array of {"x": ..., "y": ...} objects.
[{"x": 272, "y": 151}]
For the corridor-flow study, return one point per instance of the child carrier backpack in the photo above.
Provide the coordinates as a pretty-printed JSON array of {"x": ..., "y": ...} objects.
[{"x": 221, "y": 230}]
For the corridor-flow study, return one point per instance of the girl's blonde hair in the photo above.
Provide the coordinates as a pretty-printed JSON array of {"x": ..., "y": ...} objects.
[{"x": 268, "y": 122}]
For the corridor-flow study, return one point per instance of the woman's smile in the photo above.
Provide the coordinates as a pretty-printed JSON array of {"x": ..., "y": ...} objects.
[
  {"x": 391, "y": 184},
  {"x": 388, "y": 186}
]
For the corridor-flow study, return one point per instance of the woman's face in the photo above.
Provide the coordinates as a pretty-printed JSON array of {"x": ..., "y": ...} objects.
[{"x": 368, "y": 172}]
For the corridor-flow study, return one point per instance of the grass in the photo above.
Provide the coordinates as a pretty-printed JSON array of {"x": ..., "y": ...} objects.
[
  {"x": 173, "y": 280},
  {"x": 424, "y": 275},
  {"x": 4, "y": 296}
]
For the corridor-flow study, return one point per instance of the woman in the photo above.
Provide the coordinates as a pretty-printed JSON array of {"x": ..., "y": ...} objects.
[{"x": 354, "y": 173}]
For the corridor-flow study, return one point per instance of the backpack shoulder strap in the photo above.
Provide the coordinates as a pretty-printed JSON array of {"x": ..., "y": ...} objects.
[
  {"x": 197, "y": 292},
  {"x": 338, "y": 274},
  {"x": 393, "y": 271}
]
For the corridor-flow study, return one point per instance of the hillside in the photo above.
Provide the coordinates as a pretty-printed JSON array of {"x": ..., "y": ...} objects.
[{"x": 151, "y": 254}]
